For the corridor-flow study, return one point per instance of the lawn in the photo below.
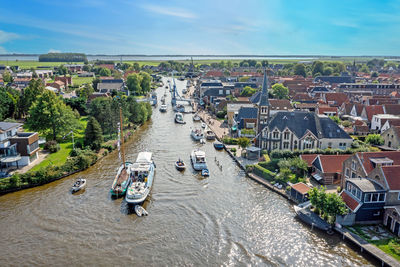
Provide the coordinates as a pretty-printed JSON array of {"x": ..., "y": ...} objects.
[
  {"x": 384, "y": 245},
  {"x": 81, "y": 80},
  {"x": 60, "y": 157},
  {"x": 33, "y": 64}
]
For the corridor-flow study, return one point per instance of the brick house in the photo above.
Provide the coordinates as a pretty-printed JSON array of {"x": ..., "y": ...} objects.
[{"x": 328, "y": 168}]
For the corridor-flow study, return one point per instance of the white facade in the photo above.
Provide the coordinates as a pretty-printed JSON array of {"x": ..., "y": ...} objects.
[{"x": 376, "y": 122}]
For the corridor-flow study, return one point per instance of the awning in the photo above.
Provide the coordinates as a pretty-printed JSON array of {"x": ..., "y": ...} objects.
[{"x": 317, "y": 176}]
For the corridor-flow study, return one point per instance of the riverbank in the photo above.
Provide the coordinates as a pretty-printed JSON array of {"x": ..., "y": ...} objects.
[{"x": 48, "y": 173}]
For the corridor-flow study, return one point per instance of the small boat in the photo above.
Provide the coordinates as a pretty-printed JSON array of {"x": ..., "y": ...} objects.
[
  {"x": 210, "y": 135},
  {"x": 140, "y": 211},
  {"x": 142, "y": 176},
  {"x": 179, "y": 118},
  {"x": 184, "y": 91},
  {"x": 197, "y": 134},
  {"x": 218, "y": 145},
  {"x": 198, "y": 159},
  {"x": 196, "y": 117},
  {"x": 78, "y": 185},
  {"x": 309, "y": 217},
  {"x": 202, "y": 141},
  {"x": 203, "y": 125},
  {"x": 153, "y": 99},
  {"x": 163, "y": 108},
  {"x": 179, "y": 108},
  {"x": 205, "y": 172},
  {"x": 180, "y": 165},
  {"x": 163, "y": 100}
]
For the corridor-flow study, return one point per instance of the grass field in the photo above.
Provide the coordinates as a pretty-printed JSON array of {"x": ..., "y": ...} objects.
[
  {"x": 60, "y": 157},
  {"x": 81, "y": 80}
]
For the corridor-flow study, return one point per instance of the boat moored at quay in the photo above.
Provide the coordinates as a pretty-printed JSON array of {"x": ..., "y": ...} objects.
[
  {"x": 142, "y": 176},
  {"x": 197, "y": 134}
]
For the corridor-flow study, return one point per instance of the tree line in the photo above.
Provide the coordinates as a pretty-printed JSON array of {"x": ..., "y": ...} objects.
[{"x": 62, "y": 57}]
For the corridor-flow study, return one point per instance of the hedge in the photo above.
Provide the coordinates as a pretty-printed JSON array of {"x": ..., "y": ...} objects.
[
  {"x": 264, "y": 173},
  {"x": 278, "y": 154},
  {"x": 230, "y": 141}
]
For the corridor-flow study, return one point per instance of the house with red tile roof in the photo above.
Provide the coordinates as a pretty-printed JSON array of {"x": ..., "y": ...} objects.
[
  {"x": 328, "y": 168},
  {"x": 389, "y": 123},
  {"x": 369, "y": 111},
  {"x": 326, "y": 110},
  {"x": 335, "y": 99},
  {"x": 299, "y": 192},
  {"x": 67, "y": 80},
  {"x": 393, "y": 109}
]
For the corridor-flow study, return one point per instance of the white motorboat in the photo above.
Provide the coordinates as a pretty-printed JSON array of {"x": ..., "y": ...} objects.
[
  {"x": 142, "y": 176},
  {"x": 179, "y": 108},
  {"x": 196, "y": 117},
  {"x": 203, "y": 125},
  {"x": 202, "y": 141},
  {"x": 179, "y": 118},
  {"x": 197, "y": 134},
  {"x": 140, "y": 211},
  {"x": 210, "y": 135},
  {"x": 198, "y": 159},
  {"x": 163, "y": 108},
  {"x": 78, "y": 185}
]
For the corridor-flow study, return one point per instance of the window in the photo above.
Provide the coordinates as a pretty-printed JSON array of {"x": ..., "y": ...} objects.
[
  {"x": 347, "y": 172},
  {"x": 353, "y": 175},
  {"x": 221, "y": 92},
  {"x": 285, "y": 145},
  {"x": 275, "y": 145},
  {"x": 9, "y": 133},
  {"x": 374, "y": 197},
  {"x": 353, "y": 164},
  {"x": 349, "y": 187},
  {"x": 276, "y": 134},
  {"x": 228, "y": 92},
  {"x": 286, "y": 135},
  {"x": 398, "y": 197}
]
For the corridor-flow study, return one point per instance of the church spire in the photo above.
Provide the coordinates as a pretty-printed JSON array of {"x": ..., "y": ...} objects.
[{"x": 264, "y": 93}]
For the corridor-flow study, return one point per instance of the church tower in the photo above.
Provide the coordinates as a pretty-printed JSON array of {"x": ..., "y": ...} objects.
[{"x": 263, "y": 106}]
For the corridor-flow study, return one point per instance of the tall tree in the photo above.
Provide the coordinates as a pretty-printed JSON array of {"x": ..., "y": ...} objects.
[
  {"x": 300, "y": 69},
  {"x": 264, "y": 63},
  {"x": 105, "y": 72},
  {"x": 145, "y": 82},
  {"x": 318, "y": 67},
  {"x": 93, "y": 134},
  {"x": 49, "y": 114},
  {"x": 279, "y": 91},
  {"x": 133, "y": 82},
  {"x": 6, "y": 104},
  {"x": 34, "y": 89},
  {"x": 7, "y": 77}
]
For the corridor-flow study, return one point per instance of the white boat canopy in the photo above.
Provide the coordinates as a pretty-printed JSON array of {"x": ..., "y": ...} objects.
[{"x": 144, "y": 157}]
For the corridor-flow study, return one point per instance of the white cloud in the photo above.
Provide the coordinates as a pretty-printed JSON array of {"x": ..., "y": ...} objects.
[
  {"x": 51, "y": 50},
  {"x": 170, "y": 11},
  {"x": 7, "y": 36}
]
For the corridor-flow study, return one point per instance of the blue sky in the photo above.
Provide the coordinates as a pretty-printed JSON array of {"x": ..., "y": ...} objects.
[{"x": 251, "y": 27}]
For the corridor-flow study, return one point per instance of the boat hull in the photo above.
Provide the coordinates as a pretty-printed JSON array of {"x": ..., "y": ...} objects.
[{"x": 120, "y": 191}]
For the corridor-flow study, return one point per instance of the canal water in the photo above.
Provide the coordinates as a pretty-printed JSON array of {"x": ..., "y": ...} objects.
[{"x": 225, "y": 219}]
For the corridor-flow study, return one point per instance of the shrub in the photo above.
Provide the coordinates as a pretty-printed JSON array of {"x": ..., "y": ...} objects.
[
  {"x": 272, "y": 165},
  {"x": 394, "y": 246},
  {"x": 230, "y": 141},
  {"x": 51, "y": 146},
  {"x": 108, "y": 147},
  {"x": 233, "y": 149},
  {"x": 264, "y": 173}
]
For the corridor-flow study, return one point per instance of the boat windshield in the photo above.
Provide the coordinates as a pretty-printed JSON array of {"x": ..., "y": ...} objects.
[{"x": 200, "y": 159}]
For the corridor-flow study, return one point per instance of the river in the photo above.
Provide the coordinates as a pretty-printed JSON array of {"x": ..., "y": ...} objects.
[{"x": 225, "y": 219}]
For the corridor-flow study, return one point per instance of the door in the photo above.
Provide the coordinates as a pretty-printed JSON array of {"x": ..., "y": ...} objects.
[
  {"x": 396, "y": 228},
  {"x": 389, "y": 222}
]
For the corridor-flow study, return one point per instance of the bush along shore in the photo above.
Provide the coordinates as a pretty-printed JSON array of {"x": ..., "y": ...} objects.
[{"x": 78, "y": 160}]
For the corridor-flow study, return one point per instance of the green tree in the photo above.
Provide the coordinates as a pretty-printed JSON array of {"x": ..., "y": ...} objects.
[
  {"x": 95, "y": 82},
  {"x": 279, "y": 91},
  {"x": 248, "y": 91},
  {"x": 243, "y": 142},
  {"x": 318, "y": 67},
  {"x": 31, "y": 92},
  {"x": 62, "y": 70},
  {"x": 85, "y": 91},
  {"x": 375, "y": 139},
  {"x": 136, "y": 66},
  {"x": 49, "y": 114},
  {"x": 328, "y": 71},
  {"x": 93, "y": 134},
  {"x": 105, "y": 72},
  {"x": 300, "y": 69},
  {"x": 364, "y": 69},
  {"x": 264, "y": 63},
  {"x": 336, "y": 119},
  {"x": 133, "y": 82},
  {"x": 7, "y": 77},
  {"x": 374, "y": 75},
  {"x": 145, "y": 82},
  {"x": 6, "y": 104}
]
